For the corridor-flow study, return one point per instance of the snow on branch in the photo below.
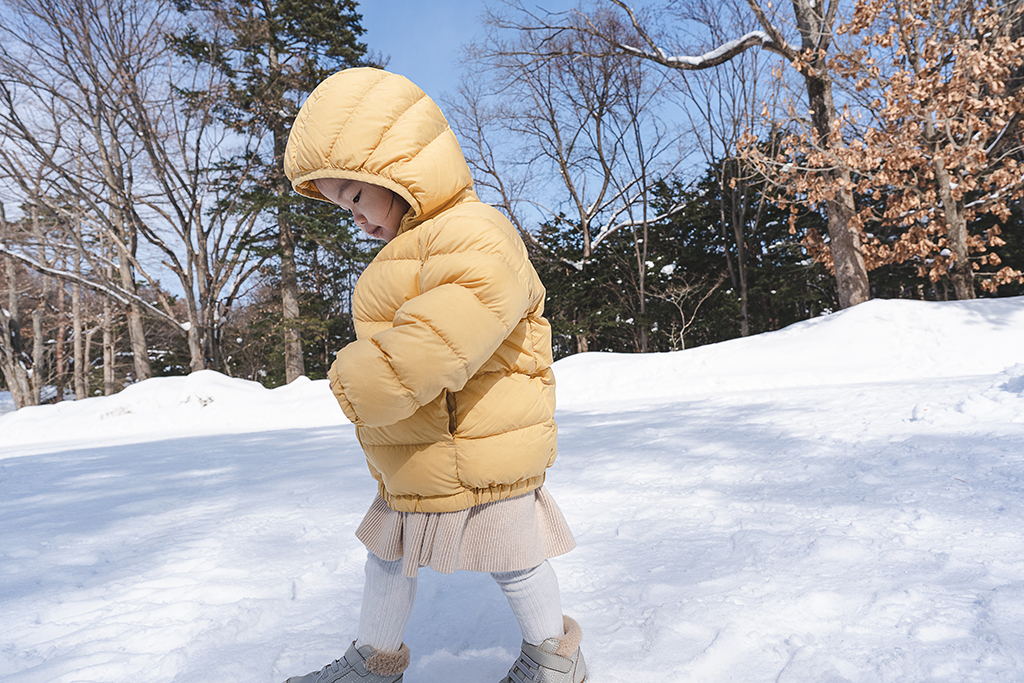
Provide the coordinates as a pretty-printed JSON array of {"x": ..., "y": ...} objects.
[
  {"x": 117, "y": 294},
  {"x": 630, "y": 223},
  {"x": 611, "y": 229},
  {"x": 707, "y": 60},
  {"x": 770, "y": 39}
]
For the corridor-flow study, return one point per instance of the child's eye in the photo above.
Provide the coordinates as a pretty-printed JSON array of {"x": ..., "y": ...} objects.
[{"x": 355, "y": 200}]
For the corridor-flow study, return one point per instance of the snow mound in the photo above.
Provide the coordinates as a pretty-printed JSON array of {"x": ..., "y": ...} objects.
[
  {"x": 204, "y": 402},
  {"x": 877, "y": 341}
]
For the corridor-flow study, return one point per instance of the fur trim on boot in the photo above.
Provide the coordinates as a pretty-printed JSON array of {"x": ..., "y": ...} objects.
[
  {"x": 389, "y": 663},
  {"x": 570, "y": 642}
]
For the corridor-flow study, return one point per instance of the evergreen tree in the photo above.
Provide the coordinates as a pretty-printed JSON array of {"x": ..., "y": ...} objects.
[
  {"x": 329, "y": 258},
  {"x": 690, "y": 298},
  {"x": 272, "y": 54}
]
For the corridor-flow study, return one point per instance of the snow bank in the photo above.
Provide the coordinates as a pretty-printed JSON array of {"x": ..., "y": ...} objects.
[
  {"x": 203, "y": 402},
  {"x": 877, "y": 341}
]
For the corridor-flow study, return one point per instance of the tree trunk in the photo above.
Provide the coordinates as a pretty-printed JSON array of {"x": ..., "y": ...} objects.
[
  {"x": 960, "y": 272},
  {"x": 738, "y": 229},
  {"x": 195, "y": 348},
  {"x": 730, "y": 267},
  {"x": 851, "y": 272},
  {"x": 14, "y": 375},
  {"x": 211, "y": 335},
  {"x": 81, "y": 361},
  {"x": 744, "y": 288},
  {"x": 642, "y": 272},
  {"x": 847, "y": 257},
  {"x": 81, "y": 357},
  {"x": 88, "y": 357},
  {"x": 37, "y": 378},
  {"x": 294, "y": 365},
  {"x": 60, "y": 359},
  {"x": 108, "y": 339},
  {"x": 137, "y": 337},
  {"x": 12, "y": 356},
  {"x": 136, "y": 330},
  {"x": 108, "y": 347},
  {"x": 194, "y": 334}
]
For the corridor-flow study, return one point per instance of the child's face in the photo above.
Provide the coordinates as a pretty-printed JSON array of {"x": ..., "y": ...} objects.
[{"x": 376, "y": 210}]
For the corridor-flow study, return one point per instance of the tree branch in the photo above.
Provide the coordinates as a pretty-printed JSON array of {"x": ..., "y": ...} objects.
[{"x": 116, "y": 293}]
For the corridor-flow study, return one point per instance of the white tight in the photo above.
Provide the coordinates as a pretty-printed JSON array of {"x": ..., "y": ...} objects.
[
  {"x": 535, "y": 601},
  {"x": 389, "y": 596}
]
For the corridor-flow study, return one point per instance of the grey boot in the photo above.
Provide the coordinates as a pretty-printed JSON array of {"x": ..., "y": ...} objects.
[
  {"x": 556, "y": 660},
  {"x": 363, "y": 664}
]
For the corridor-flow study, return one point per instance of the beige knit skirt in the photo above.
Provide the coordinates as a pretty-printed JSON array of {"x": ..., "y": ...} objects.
[{"x": 503, "y": 536}]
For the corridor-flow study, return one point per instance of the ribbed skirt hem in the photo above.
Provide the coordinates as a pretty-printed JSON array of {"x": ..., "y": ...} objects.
[{"x": 503, "y": 536}]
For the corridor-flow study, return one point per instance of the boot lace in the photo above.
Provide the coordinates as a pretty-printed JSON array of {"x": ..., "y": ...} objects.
[
  {"x": 524, "y": 670},
  {"x": 332, "y": 669}
]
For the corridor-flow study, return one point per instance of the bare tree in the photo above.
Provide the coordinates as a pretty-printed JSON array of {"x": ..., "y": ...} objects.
[
  {"x": 271, "y": 54},
  {"x": 647, "y": 140},
  {"x": 53, "y": 63},
  {"x": 80, "y": 363},
  {"x": 208, "y": 235},
  {"x": 15, "y": 363},
  {"x": 687, "y": 295},
  {"x": 39, "y": 311},
  {"x": 577, "y": 145},
  {"x": 570, "y": 143},
  {"x": 95, "y": 96},
  {"x": 724, "y": 104},
  {"x": 810, "y": 21}
]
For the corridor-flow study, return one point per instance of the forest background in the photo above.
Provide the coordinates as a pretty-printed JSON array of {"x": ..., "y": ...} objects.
[{"x": 683, "y": 173}]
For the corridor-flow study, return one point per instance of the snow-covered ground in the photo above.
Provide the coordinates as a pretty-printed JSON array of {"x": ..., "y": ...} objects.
[{"x": 840, "y": 501}]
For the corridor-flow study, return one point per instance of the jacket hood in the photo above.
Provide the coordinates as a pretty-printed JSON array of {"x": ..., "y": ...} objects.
[{"x": 378, "y": 127}]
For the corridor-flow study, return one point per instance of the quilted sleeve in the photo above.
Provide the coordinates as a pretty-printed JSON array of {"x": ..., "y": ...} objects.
[{"x": 473, "y": 291}]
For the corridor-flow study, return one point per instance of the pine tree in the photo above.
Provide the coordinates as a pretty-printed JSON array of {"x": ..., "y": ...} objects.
[
  {"x": 691, "y": 299},
  {"x": 272, "y": 54}
]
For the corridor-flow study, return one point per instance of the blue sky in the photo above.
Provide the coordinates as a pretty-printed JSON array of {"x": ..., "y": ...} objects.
[{"x": 424, "y": 37}]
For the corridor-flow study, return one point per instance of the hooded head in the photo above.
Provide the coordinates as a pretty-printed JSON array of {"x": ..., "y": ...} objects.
[{"x": 377, "y": 127}]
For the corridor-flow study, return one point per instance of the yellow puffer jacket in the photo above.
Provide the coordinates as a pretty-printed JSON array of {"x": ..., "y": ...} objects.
[{"x": 449, "y": 381}]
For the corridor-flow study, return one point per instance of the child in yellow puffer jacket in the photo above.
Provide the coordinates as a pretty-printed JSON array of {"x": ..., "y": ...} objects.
[{"x": 449, "y": 381}]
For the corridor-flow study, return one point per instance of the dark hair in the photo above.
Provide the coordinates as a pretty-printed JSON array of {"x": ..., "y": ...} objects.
[{"x": 392, "y": 204}]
